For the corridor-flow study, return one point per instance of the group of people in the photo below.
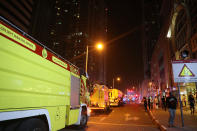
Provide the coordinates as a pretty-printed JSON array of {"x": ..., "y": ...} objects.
[
  {"x": 169, "y": 102},
  {"x": 151, "y": 103},
  {"x": 191, "y": 101}
]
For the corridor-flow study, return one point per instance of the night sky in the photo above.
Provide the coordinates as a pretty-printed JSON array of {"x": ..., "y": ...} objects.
[{"x": 124, "y": 56}]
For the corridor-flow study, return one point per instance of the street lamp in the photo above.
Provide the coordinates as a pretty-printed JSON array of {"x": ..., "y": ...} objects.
[
  {"x": 99, "y": 46},
  {"x": 150, "y": 88},
  {"x": 117, "y": 79}
]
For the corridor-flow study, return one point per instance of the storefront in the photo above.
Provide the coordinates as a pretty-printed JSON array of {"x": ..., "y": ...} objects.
[{"x": 186, "y": 89}]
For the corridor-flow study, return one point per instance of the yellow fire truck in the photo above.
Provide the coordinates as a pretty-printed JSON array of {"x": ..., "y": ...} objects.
[
  {"x": 39, "y": 90},
  {"x": 99, "y": 98},
  {"x": 116, "y": 97}
]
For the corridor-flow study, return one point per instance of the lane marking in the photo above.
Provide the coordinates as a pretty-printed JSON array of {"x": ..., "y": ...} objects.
[
  {"x": 119, "y": 124},
  {"x": 103, "y": 118},
  {"x": 132, "y": 118},
  {"x": 128, "y": 117}
]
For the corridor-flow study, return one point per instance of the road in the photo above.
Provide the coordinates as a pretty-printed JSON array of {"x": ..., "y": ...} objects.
[{"x": 126, "y": 118}]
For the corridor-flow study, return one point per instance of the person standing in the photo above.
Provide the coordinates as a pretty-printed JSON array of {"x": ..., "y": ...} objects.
[
  {"x": 163, "y": 99},
  {"x": 145, "y": 103},
  {"x": 171, "y": 104},
  {"x": 156, "y": 103},
  {"x": 196, "y": 96},
  {"x": 191, "y": 102},
  {"x": 184, "y": 99},
  {"x": 149, "y": 103}
]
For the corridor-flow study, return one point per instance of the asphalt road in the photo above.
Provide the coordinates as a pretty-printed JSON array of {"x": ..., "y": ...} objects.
[{"x": 130, "y": 117}]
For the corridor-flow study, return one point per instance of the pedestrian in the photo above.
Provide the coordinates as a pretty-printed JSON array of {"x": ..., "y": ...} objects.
[
  {"x": 171, "y": 104},
  {"x": 191, "y": 102},
  {"x": 163, "y": 99},
  {"x": 196, "y": 96},
  {"x": 145, "y": 103},
  {"x": 184, "y": 100},
  {"x": 149, "y": 104},
  {"x": 156, "y": 103}
]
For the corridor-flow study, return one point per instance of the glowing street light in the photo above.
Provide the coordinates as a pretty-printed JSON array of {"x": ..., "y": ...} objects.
[
  {"x": 99, "y": 46},
  {"x": 118, "y": 79}
]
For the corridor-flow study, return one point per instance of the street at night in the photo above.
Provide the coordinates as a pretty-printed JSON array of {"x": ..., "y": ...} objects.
[
  {"x": 98, "y": 65},
  {"x": 125, "y": 118}
]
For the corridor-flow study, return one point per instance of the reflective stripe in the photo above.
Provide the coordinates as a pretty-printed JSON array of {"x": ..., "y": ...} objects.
[{"x": 32, "y": 46}]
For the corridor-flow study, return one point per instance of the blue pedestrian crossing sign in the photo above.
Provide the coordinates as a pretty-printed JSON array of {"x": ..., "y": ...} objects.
[{"x": 185, "y": 70}]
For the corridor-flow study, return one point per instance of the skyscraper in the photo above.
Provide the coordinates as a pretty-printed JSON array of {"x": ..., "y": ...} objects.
[
  {"x": 151, "y": 27},
  {"x": 18, "y": 12},
  {"x": 65, "y": 26}
]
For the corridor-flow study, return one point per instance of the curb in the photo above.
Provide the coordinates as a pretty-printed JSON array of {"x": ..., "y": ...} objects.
[{"x": 156, "y": 122}]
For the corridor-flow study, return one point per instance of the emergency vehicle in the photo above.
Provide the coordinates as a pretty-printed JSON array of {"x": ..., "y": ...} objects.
[
  {"x": 39, "y": 90},
  {"x": 99, "y": 98},
  {"x": 116, "y": 97}
]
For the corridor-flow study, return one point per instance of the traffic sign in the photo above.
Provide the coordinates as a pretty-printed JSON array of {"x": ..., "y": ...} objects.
[{"x": 185, "y": 70}]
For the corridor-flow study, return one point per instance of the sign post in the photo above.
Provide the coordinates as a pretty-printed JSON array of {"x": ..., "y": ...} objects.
[
  {"x": 181, "y": 106},
  {"x": 184, "y": 71}
]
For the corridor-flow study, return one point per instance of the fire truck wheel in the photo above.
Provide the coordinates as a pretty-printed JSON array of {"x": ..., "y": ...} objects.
[
  {"x": 32, "y": 124},
  {"x": 84, "y": 119}
]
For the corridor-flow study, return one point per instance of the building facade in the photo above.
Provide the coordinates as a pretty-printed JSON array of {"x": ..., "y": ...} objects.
[
  {"x": 150, "y": 32},
  {"x": 178, "y": 33}
]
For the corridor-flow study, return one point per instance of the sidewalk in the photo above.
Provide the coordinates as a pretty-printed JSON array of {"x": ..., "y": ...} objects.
[{"x": 160, "y": 117}]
